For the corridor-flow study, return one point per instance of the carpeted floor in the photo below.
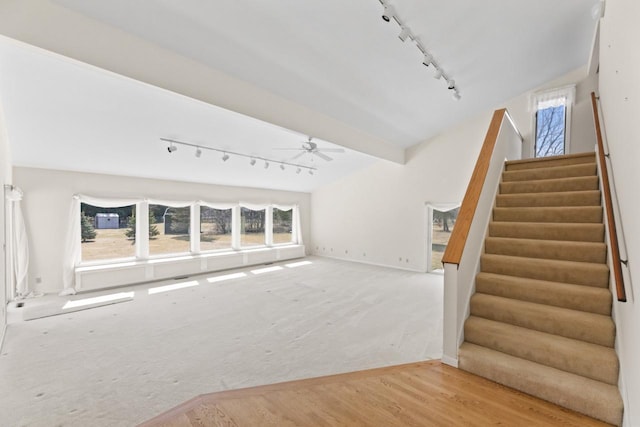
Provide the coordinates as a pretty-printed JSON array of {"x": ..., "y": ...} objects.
[{"x": 121, "y": 364}]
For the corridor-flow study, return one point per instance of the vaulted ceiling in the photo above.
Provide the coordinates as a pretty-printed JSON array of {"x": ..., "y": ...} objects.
[{"x": 332, "y": 69}]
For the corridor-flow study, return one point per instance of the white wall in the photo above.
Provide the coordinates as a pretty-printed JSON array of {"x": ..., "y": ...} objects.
[
  {"x": 620, "y": 98},
  {"x": 378, "y": 215},
  {"x": 47, "y": 198}
]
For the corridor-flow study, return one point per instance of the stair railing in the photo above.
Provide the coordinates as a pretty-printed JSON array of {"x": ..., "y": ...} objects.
[
  {"x": 461, "y": 259},
  {"x": 616, "y": 260}
]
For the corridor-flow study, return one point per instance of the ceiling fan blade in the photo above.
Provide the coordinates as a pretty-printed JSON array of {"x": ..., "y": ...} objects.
[
  {"x": 322, "y": 156},
  {"x": 288, "y": 149},
  {"x": 332, "y": 150},
  {"x": 300, "y": 154}
]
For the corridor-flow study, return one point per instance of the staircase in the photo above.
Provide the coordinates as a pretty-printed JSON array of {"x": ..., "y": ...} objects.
[{"x": 541, "y": 316}]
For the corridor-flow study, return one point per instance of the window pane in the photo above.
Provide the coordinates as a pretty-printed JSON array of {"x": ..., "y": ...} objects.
[
  {"x": 215, "y": 228},
  {"x": 443, "y": 223},
  {"x": 106, "y": 233},
  {"x": 550, "y": 131},
  {"x": 168, "y": 229},
  {"x": 282, "y": 226},
  {"x": 252, "y": 227}
]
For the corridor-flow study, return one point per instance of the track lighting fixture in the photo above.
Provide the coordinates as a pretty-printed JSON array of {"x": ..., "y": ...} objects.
[
  {"x": 456, "y": 96},
  {"x": 226, "y": 155},
  {"x": 389, "y": 13},
  {"x": 310, "y": 171},
  {"x": 427, "y": 59},
  {"x": 406, "y": 32}
]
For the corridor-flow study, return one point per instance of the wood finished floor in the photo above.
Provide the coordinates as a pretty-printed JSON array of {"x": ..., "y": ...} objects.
[{"x": 419, "y": 394}]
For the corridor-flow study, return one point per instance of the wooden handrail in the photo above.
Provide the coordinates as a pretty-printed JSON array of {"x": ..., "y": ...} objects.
[
  {"x": 458, "y": 239},
  {"x": 608, "y": 205}
]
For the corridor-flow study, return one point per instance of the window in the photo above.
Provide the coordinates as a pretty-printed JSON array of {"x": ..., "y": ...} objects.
[
  {"x": 282, "y": 226},
  {"x": 552, "y": 122},
  {"x": 107, "y": 233},
  {"x": 215, "y": 228},
  {"x": 169, "y": 229},
  {"x": 442, "y": 223},
  {"x": 252, "y": 227}
]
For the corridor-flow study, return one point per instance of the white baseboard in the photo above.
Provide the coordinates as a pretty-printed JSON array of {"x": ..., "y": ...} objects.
[
  {"x": 449, "y": 361},
  {"x": 377, "y": 264}
]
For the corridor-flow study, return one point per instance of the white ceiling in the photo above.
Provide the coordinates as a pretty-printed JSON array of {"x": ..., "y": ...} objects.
[{"x": 336, "y": 57}]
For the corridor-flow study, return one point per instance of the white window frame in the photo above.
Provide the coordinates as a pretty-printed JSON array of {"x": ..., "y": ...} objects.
[
  {"x": 566, "y": 92},
  {"x": 442, "y": 207}
]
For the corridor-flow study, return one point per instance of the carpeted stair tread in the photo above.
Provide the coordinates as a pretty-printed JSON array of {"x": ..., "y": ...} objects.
[
  {"x": 571, "y": 159},
  {"x": 564, "y": 171},
  {"x": 577, "y": 357},
  {"x": 585, "y": 232},
  {"x": 594, "y": 398},
  {"x": 580, "y": 183},
  {"x": 577, "y": 273},
  {"x": 547, "y": 249},
  {"x": 576, "y": 214},
  {"x": 562, "y": 198},
  {"x": 574, "y": 297},
  {"x": 579, "y": 325}
]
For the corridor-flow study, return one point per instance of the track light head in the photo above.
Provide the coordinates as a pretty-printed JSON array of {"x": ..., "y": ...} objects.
[
  {"x": 406, "y": 32},
  {"x": 451, "y": 84},
  {"x": 282, "y": 166},
  {"x": 310, "y": 171},
  {"x": 198, "y": 152},
  {"x": 225, "y": 157},
  {"x": 389, "y": 13},
  {"x": 252, "y": 162},
  {"x": 437, "y": 74},
  {"x": 456, "y": 96},
  {"x": 298, "y": 170},
  {"x": 427, "y": 59},
  {"x": 171, "y": 148},
  {"x": 266, "y": 165}
]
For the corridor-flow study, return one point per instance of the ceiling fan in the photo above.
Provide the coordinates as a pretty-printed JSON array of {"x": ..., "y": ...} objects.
[{"x": 311, "y": 147}]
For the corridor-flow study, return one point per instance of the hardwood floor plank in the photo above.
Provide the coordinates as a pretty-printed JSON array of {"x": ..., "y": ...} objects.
[{"x": 417, "y": 394}]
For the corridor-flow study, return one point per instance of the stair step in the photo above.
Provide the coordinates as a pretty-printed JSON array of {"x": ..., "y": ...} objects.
[
  {"x": 547, "y": 249},
  {"x": 574, "y": 297},
  {"x": 579, "y": 325},
  {"x": 581, "y": 183},
  {"x": 566, "y": 171},
  {"x": 584, "y": 232},
  {"x": 577, "y": 357},
  {"x": 563, "y": 198},
  {"x": 572, "y": 272},
  {"x": 545, "y": 162},
  {"x": 575, "y": 214},
  {"x": 593, "y": 398}
]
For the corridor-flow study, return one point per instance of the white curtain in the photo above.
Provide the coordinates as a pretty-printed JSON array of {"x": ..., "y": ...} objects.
[
  {"x": 220, "y": 206},
  {"x": 73, "y": 245},
  {"x": 295, "y": 221},
  {"x": 19, "y": 249},
  {"x": 553, "y": 98}
]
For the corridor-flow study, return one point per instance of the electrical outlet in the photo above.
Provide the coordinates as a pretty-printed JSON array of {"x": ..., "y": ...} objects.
[{"x": 38, "y": 280}]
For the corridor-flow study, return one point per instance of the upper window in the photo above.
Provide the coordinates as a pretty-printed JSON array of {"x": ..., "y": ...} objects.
[
  {"x": 282, "y": 226},
  {"x": 169, "y": 229},
  {"x": 552, "y": 122},
  {"x": 215, "y": 228},
  {"x": 252, "y": 227},
  {"x": 442, "y": 223},
  {"x": 107, "y": 233}
]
